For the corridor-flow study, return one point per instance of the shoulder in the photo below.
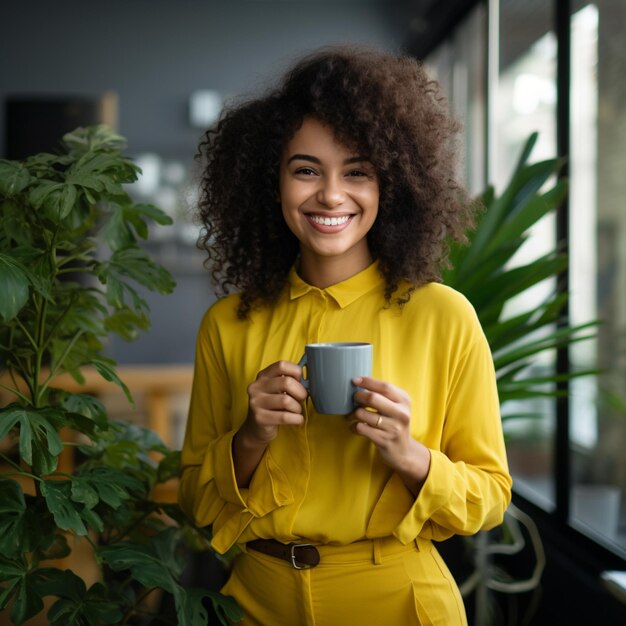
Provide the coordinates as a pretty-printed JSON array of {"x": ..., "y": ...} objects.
[
  {"x": 444, "y": 314},
  {"x": 221, "y": 314},
  {"x": 442, "y": 301},
  {"x": 222, "y": 317}
]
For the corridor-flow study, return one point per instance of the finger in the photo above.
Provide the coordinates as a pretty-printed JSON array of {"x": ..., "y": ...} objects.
[
  {"x": 381, "y": 387},
  {"x": 281, "y": 368},
  {"x": 280, "y": 385},
  {"x": 262, "y": 405},
  {"x": 378, "y": 402},
  {"x": 372, "y": 419},
  {"x": 269, "y": 417},
  {"x": 281, "y": 402},
  {"x": 375, "y": 435}
]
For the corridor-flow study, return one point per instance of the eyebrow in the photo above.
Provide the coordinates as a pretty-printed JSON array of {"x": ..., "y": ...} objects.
[{"x": 314, "y": 159}]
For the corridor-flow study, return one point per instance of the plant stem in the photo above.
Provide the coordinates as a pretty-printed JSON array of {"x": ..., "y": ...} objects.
[
  {"x": 42, "y": 306},
  {"x": 57, "y": 367},
  {"x": 92, "y": 543},
  {"x": 19, "y": 469},
  {"x": 25, "y": 331},
  {"x": 24, "y": 474},
  {"x": 67, "y": 309},
  {"x": 16, "y": 392}
]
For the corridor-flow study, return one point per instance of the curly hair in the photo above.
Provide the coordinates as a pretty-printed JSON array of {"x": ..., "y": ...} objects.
[{"x": 381, "y": 104}]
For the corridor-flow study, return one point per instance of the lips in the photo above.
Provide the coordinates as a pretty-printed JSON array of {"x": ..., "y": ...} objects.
[{"x": 327, "y": 223}]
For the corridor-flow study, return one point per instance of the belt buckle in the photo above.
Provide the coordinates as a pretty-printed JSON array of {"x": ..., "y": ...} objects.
[{"x": 294, "y": 560}]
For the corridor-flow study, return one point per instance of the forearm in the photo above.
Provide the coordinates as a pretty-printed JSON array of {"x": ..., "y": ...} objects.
[
  {"x": 247, "y": 454},
  {"x": 414, "y": 470}
]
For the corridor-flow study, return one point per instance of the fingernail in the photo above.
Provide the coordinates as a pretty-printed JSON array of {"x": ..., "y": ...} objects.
[{"x": 358, "y": 380}]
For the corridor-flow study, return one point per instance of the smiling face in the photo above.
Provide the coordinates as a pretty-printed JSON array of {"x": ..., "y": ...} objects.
[{"x": 329, "y": 196}]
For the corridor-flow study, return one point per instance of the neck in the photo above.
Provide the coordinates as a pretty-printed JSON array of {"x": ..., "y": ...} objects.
[{"x": 322, "y": 272}]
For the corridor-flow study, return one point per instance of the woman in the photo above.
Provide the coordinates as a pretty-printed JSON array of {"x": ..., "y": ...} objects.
[{"x": 329, "y": 203}]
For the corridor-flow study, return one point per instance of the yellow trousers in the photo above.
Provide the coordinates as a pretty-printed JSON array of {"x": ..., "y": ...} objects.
[{"x": 370, "y": 583}]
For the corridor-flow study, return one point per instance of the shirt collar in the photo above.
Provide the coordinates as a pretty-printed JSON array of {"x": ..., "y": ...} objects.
[{"x": 345, "y": 292}]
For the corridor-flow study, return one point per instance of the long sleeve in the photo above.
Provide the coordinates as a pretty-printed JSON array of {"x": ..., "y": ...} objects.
[
  {"x": 468, "y": 487},
  {"x": 208, "y": 489}
]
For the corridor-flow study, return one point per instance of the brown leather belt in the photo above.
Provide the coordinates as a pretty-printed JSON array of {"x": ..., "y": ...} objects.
[{"x": 298, "y": 555}]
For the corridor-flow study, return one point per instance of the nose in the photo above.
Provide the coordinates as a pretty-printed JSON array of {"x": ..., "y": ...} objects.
[{"x": 331, "y": 193}]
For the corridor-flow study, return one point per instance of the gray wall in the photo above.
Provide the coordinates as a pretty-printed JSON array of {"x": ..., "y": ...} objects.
[{"x": 153, "y": 54}]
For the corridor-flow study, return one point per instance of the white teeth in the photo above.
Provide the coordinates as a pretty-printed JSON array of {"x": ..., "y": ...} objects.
[{"x": 330, "y": 221}]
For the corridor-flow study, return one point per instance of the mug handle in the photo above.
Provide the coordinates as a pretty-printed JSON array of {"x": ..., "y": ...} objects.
[{"x": 302, "y": 363}]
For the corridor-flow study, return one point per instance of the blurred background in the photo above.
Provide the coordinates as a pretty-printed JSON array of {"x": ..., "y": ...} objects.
[{"x": 159, "y": 71}]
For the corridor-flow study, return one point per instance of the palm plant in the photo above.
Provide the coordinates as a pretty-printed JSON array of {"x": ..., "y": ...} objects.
[{"x": 486, "y": 272}]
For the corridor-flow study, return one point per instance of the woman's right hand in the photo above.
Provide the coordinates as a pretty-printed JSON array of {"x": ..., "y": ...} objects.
[{"x": 275, "y": 399}]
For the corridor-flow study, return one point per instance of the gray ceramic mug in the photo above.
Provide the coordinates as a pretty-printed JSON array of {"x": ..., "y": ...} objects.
[{"x": 330, "y": 369}]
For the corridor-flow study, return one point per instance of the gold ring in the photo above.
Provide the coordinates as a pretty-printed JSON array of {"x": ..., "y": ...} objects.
[{"x": 380, "y": 419}]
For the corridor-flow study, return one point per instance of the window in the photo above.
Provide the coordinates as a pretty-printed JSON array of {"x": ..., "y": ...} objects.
[
  {"x": 459, "y": 66},
  {"x": 598, "y": 268},
  {"x": 524, "y": 101},
  {"x": 524, "y": 49}
]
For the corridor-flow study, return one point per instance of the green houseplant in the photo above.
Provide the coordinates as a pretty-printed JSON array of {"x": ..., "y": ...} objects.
[
  {"x": 71, "y": 269},
  {"x": 486, "y": 272},
  {"x": 483, "y": 271}
]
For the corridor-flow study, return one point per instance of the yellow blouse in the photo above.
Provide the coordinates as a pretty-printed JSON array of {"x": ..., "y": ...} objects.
[{"x": 320, "y": 482}]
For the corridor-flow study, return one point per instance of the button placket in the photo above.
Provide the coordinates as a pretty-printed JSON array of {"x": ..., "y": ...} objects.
[{"x": 319, "y": 318}]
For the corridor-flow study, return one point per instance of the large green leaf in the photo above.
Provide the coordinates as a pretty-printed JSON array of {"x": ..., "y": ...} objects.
[
  {"x": 128, "y": 221},
  {"x": 20, "y": 586},
  {"x": 525, "y": 182},
  {"x": 13, "y": 526},
  {"x": 106, "y": 369},
  {"x": 46, "y": 193},
  {"x": 67, "y": 200},
  {"x": 527, "y": 216},
  {"x": 226, "y": 607},
  {"x": 86, "y": 405},
  {"x": 14, "y": 177},
  {"x": 102, "y": 171},
  {"x": 191, "y": 612},
  {"x": 490, "y": 266},
  {"x": 40, "y": 443},
  {"x": 159, "y": 564},
  {"x": 134, "y": 264},
  {"x": 58, "y": 495},
  {"x": 35, "y": 264},
  {"x": 126, "y": 323},
  {"x": 153, "y": 564},
  {"x": 97, "y": 137},
  {"x": 14, "y": 286},
  {"x": 25, "y": 524},
  {"x": 77, "y": 605},
  {"x": 169, "y": 466},
  {"x": 95, "y": 484}
]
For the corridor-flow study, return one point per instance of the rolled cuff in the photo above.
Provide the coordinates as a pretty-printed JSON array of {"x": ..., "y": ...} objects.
[
  {"x": 456, "y": 498},
  {"x": 269, "y": 489},
  {"x": 435, "y": 493}
]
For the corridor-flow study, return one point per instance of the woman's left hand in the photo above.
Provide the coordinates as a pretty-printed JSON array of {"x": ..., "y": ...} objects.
[{"x": 384, "y": 417}]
